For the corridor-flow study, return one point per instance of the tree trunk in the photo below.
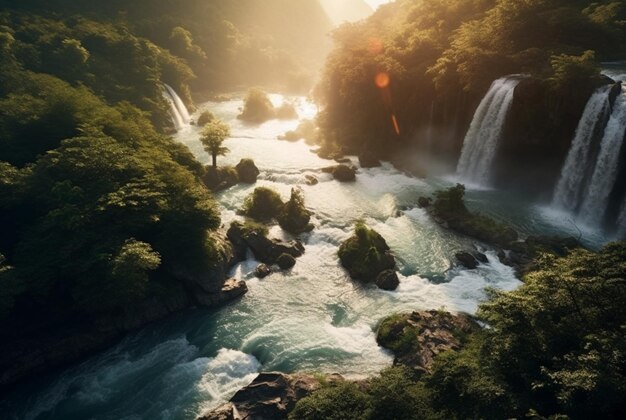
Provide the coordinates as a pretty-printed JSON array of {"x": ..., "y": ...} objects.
[{"x": 214, "y": 156}]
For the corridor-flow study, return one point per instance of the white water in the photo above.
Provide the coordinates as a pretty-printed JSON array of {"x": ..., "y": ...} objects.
[
  {"x": 311, "y": 318},
  {"x": 481, "y": 141},
  {"x": 178, "y": 110},
  {"x": 596, "y": 200},
  {"x": 569, "y": 189}
]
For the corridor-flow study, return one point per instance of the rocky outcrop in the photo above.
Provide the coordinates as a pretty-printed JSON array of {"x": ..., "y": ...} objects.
[
  {"x": 469, "y": 260},
  {"x": 269, "y": 396},
  {"x": 342, "y": 173},
  {"x": 247, "y": 171},
  {"x": 286, "y": 261},
  {"x": 418, "y": 337},
  {"x": 310, "y": 180},
  {"x": 387, "y": 280},
  {"x": 262, "y": 271},
  {"x": 221, "y": 178},
  {"x": 523, "y": 255},
  {"x": 264, "y": 249},
  {"x": 368, "y": 160},
  {"x": 366, "y": 255}
]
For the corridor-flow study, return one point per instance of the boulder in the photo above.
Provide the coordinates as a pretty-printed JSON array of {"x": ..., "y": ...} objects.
[
  {"x": 418, "y": 337},
  {"x": 231, "y": 290},
  {"x": 366, "y": 254},
  {"x": 368, "y": 160},
  {"x": 481, "y": 257},
  {"x": 270, "y": 396},
  {"x": 343, "y": 173},
  {"x": 268, "y": 250},
  {"x": 424, "y": 202},
  {"x": 310, "y": 180},
  {"x": 220, "y": 179},
  {"x": 262, "y": 271},
  {"x": 387, "y": 280},
  {"x": 247, "y": 171},
  {"x": 240, "y": 248},
  {"x": 467, "y": 260},
  {"x": 285, "y": 261}
]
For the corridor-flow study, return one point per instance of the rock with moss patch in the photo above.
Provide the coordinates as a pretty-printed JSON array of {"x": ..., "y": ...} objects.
[
  {"x": 221, "y": 178},
  {"x": 418, "y": 337},
  {"x": 247, "y": 171},
  {"x": 294, "y": 217},
  {"x": 344, "y": 173},
  {"x": 263, "y": 204},
  {"x": 366, "y": 254},
  {"x": 205, "y": 118}
]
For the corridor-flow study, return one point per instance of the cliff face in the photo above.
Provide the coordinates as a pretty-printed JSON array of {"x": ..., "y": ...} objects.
[{"x": 54, "y": 343}]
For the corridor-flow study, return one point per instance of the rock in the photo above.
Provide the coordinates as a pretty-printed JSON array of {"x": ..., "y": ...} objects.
[
  {"x": 343, "y": 160},
  {"x": 286, "y": 112},
  {"x": 387, "y": 280},
  {"x": 285, "y": 261},
  {"x": 418, "y": 337},
  {"x": 270, "y": 396},
  {"x": 223, "y": 412},
  {"x": 424, "y": 202},
  {"x": 368, "y": 160},
  {"x": 247, "y": 171},
  {"x": 343, "y": 173},
  {"x": 268, "y": 250},
  {"x": 310, "y": 180},
  {"x": 220, "y": 179},
  {"x": 467, "y": 260},
  {"x": 481, "y": 257},
  {"x": 240, "y": 247},
  {"x": 366, "y": 254},
  {"x": 231, "y": 290},
  {"x": 522, "y": 255},
  {"x": 262, "y": 271}
]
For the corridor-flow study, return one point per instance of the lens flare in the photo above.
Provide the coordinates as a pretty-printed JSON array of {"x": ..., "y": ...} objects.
[
  {"x": 394, "y": 121},
  {"x": 382, "y": 80}
]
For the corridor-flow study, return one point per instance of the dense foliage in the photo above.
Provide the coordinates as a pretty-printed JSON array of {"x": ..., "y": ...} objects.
[
  {"x": 96, "y": 204},
  {"x": 554, "y": 347},
  {"x": 428, "y": 63},
  {"x": 294, "y": 217},
  {"x": 263, "y": 204},
  {"x": 224, "y": 43},
  {"x": 365, "y": 254},
  {"x": 213, "y": 135}
]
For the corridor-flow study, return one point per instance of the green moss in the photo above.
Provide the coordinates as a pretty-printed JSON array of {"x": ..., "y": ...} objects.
[
  {"x": 396, "y": 334},
  {"x": 365, "y": 254},
  {"x": 263, "y": 204},
  {"x": 294, "y": 217},
  {"x": 205, "y": 118}
]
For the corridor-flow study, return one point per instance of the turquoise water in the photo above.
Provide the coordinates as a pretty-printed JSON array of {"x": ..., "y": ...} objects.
[{"x": 312, "y": 318}]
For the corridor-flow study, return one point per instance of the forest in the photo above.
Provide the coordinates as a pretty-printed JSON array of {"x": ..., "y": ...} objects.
[{"x": 126, "y": 238}]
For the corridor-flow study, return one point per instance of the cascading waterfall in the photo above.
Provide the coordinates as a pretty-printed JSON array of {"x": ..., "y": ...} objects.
[
  {"x": 481, "y": 141},
  {"x": 596, "y": 200},
  {"x": 621, "y": 221},
  {"x": 570, "y": 185},
  {"x": 178, "y": 110}
]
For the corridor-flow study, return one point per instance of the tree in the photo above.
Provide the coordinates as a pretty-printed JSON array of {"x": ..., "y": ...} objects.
[{"x": 213, "y": 135}]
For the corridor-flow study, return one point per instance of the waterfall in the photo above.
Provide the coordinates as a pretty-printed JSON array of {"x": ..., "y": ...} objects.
[
  {"x": 621, "y": 221},
  {"x": 596, "y": 200},
  {"x": 178, "y": 110},
  {"x": 481, "y": 141},
  {"x": 570, "y": 185}
]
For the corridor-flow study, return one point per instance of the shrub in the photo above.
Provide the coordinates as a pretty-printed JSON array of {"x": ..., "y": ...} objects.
[
  {"x": 294, "y": 217},
  {"x": 342, "y": 401},
  {"x": 205, "y": 118},
  {"x": 263, "y": 204},
  {"x": 257, "y": 107}
]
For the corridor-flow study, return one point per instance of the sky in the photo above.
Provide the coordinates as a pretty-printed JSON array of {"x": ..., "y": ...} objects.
[{"x": 376, "y": 3}]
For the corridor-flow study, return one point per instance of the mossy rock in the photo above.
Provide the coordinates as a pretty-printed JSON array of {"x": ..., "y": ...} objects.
[
  {"x": 263, "y": 204},
  {"x": 285, "y": 261},
  {"x": 365, "y": 254}
]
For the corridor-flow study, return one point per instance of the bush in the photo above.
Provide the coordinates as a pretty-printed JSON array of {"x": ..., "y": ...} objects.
[
  {"x": 257, "y": 107},
  {"x": 294, "y": 217},
  {"x": 365, "y": 254},
  {"x": 342, "y": 401},
  {"x": 263, "y": 204},
  {"x": 286, "y": 112},
  {"x": 205, "y": 118}
]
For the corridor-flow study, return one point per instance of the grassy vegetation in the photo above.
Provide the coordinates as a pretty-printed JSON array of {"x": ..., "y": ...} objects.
[{"x": 365, "y": 254}]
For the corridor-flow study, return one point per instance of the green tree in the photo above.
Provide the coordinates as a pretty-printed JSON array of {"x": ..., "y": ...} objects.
[{"x": 213, "y": 135}]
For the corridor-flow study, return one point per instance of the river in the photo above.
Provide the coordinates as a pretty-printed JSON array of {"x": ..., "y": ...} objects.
[{"x": 311, "y": 318}]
